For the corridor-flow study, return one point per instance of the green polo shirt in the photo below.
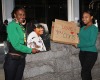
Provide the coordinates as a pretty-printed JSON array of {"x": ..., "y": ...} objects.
[
  {"x": 88, "y": 38},
  {"x": 16, "y": 37}
]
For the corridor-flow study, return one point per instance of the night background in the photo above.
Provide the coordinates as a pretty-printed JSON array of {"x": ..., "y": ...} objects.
[{"x": 46, "y": 11}]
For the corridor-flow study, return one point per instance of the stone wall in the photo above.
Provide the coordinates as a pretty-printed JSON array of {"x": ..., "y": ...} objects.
[{"x": 60, "y": 63}]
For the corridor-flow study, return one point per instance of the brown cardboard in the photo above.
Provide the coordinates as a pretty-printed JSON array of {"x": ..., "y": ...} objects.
[{"x": 65, "y": 32}]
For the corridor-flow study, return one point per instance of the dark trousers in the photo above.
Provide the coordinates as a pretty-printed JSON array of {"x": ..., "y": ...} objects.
[
  {"x": 14, "y": 68},
  {"x": 87, "y": 60}
]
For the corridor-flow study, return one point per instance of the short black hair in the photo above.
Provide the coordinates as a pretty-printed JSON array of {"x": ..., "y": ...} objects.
[
  {"x": 37, "y": 26},
  {"x": 15, "y": 10},
  {"x": 6, "y": 21}
]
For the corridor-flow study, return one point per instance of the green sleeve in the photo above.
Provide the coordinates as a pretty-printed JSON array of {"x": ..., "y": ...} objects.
[
  {"x": 93, "y": 38},
  {"x": 15, "y": 39}
]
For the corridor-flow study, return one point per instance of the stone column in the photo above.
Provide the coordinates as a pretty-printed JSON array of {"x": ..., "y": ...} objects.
[
  {"x": 73, "y": 10},
  {"x": 7, "y": 7}
]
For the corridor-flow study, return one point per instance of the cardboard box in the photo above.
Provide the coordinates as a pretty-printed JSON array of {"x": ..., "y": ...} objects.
[{"x": 64, "y": 32}]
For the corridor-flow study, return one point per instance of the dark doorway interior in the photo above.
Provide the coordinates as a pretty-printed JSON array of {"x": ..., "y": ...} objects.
[
  {"x": 0, "y": 12},
  {"x": 44, "y": 11},
  {"x": 94, "y": 5},
  {"x": 1, "y": 22}
]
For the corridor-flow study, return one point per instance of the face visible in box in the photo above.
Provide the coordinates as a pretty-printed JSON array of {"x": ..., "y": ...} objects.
[{"x": 39, "y": 37}]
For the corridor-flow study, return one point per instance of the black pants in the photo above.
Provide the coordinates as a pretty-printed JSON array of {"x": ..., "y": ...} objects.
[
  {"x": 13, "y": 67},
  {"x": 87, "y": 60}
]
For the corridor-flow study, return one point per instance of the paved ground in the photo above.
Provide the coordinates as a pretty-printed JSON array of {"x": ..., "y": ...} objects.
[
  {"x": 1, "y": 72},
  {"x": 1, "y": 62}
]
